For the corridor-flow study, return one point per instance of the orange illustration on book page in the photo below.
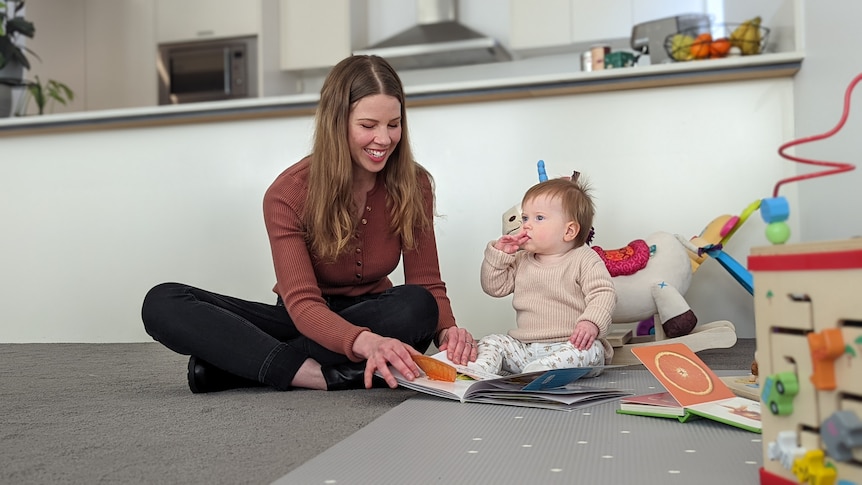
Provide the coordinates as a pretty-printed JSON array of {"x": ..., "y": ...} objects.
[{"x": 682, "y": 373}]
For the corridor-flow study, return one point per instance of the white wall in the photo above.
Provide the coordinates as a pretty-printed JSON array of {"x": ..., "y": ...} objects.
[
  {"x": 829, "y": 206},
  {"x": 667, "y": 159},
  {"x": 92, "y": 220}
]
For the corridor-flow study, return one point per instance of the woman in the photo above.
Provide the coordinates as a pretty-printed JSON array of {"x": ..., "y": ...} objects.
[{"x": 338, "y": 222}]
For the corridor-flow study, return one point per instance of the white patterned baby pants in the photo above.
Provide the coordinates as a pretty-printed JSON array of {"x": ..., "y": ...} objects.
[{"x": 500, "y": 352}]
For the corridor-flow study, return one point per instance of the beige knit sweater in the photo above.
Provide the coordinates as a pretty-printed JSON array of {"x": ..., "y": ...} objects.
[{"x": 550, "y": 299}]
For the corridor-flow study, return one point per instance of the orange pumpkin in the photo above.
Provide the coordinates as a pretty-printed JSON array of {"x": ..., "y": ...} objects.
[
  {"x": 719, "y": 47},
  {"x": 700, "y": 46}
]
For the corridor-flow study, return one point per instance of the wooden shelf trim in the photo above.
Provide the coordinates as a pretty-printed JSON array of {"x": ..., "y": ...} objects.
[{"x": 286, "y": 108}]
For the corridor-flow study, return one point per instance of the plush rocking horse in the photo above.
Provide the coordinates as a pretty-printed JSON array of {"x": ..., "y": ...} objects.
[{"x": 651, "y": 275}]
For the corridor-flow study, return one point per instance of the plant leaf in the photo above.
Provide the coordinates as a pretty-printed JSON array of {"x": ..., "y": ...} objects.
[
  {"x": 36, "y": 90},
  {"x": 12, "y": 52},
  {"x": 20, "y": 25},
  {"x": 21, "y": 58},
  {"x": 52, "y": 90},
  {"x": 25, "y": 48},
  {"x": 67, "y": 91}
]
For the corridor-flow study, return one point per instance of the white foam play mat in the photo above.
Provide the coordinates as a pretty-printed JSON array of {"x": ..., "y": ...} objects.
[{"x": 432, "y": 440}]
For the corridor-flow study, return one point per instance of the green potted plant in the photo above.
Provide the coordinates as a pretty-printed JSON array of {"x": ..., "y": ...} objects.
[
  {"x": 12, "y": 58},
  {"x": 42, "y": 94},
  {"x": 13, "y": 25},
  {"x": 13, "y": 61}
]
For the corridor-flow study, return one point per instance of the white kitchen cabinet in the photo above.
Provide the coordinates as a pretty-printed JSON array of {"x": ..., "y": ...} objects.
[
  {"x": 599, "y": 21},
  {"x": 188, "y": 20},
  {"x": 319, "y": 34},
  {"x": 59, "y": 43},
  {"x": 120, "y": 46},
  {"x": 557, "y": 23},
  {"x": 645, "y": 10},
  {"x": 104, "y": 50},
  {"x": 540, "y": 24}
]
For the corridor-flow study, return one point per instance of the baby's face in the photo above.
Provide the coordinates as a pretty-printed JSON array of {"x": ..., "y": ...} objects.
[{"x": 546, "y": 224}]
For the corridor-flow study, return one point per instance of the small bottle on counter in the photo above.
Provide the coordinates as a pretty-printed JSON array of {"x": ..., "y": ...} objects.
[{"x": 586, "y": 61}]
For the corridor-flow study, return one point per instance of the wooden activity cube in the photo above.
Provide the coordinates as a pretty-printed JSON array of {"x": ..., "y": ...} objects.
[{"x": 808, "y": 314}]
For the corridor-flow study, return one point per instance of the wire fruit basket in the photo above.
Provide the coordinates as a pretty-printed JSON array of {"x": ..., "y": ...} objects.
[{"x": 717, "y": 41}]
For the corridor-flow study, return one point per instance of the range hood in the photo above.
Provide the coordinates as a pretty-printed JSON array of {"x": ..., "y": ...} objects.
[{"x": 438, "y": 40}]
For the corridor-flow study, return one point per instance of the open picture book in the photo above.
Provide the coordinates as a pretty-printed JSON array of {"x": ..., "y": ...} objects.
[
  {"x": 692, "y": 390},
  {"x": 560, "y": 389},
  {"x": 743, "y": 385}
]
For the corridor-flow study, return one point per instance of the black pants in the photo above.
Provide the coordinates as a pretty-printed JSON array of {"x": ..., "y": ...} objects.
[{"x": 259, "y": 341}]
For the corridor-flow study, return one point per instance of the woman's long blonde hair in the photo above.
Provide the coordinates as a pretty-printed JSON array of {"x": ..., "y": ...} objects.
[{"x": 330, "y": 209}]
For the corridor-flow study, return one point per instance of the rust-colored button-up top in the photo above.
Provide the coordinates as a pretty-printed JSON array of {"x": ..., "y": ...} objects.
[{"x": 302, "y": 280}]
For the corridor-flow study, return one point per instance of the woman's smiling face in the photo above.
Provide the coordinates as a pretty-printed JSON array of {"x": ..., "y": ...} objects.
[{"x": 374, "y": 131}]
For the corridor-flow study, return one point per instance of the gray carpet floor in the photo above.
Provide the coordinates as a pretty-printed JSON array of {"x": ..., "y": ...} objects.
[{"x": 123, "y": 413}]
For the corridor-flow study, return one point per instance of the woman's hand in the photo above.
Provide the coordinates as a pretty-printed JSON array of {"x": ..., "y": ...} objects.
[
  {"x": 459, "y": 345},
  {"x": 382, "y": 352}
]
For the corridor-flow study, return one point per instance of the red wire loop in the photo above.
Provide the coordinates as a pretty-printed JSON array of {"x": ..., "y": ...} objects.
[{"x": 837, "y": 167}]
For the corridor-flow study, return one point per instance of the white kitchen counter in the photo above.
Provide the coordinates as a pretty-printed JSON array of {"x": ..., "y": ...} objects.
[{"x": 507, "y": 82}]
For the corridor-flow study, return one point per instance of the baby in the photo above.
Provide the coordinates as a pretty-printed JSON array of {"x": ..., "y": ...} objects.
[{"x": 562, "y": 292}]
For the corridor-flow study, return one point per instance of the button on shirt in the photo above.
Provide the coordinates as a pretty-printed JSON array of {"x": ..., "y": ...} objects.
[{"x": 375, "y": 253}]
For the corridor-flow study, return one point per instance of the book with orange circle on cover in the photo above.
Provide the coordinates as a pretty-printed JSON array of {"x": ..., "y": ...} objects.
[
  {"x": 692, "y": 390},
  {"x": 682, "y": 373}
]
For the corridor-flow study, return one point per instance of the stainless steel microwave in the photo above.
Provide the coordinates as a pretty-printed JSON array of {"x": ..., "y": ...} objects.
[{"x": 207, "y": 70}]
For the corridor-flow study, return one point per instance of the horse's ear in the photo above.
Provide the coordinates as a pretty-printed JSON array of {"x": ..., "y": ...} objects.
[{"x": 512, "y": 220}]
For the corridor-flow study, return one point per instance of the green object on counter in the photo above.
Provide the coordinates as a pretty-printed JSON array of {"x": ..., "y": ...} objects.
[{"x": 619, "y": 59}]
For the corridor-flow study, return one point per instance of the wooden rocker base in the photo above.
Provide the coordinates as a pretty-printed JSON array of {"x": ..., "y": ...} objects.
[{"x": 720, "y": 334}]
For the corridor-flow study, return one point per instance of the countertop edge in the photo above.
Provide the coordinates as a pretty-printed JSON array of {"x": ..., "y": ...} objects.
[{"x": 691, "y": 73}]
